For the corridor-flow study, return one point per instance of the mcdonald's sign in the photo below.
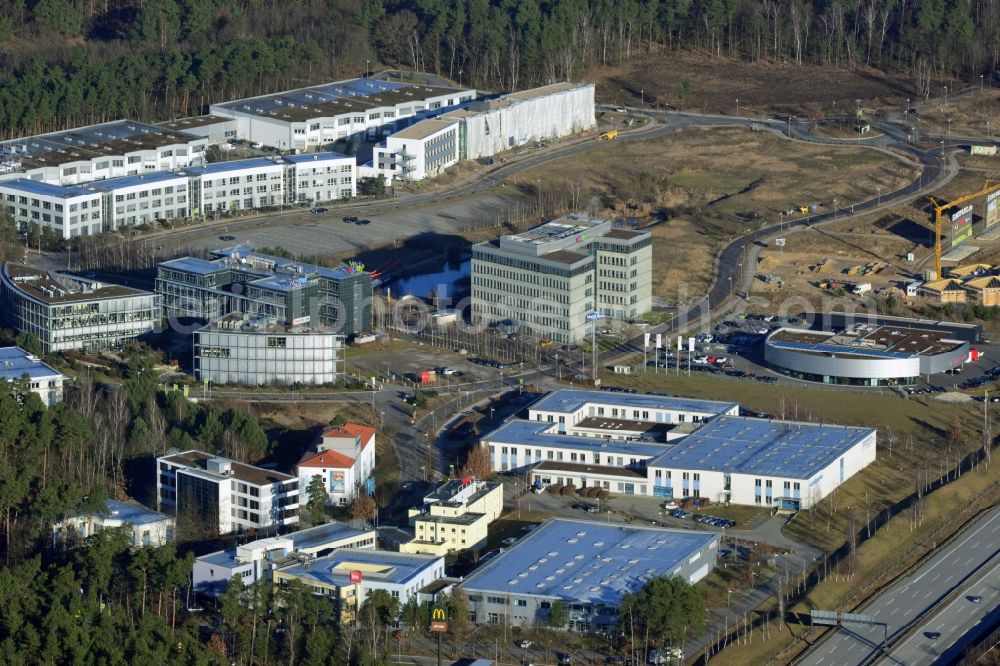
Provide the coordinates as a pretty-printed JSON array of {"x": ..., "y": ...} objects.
[{"x": 439, "y": 621}]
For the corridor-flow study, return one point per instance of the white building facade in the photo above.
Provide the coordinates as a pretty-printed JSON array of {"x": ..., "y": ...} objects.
[
  {"x": 343, "y": 457},
  {"x": 423, "y": 150},
  {"x": 43, "y": 380}
]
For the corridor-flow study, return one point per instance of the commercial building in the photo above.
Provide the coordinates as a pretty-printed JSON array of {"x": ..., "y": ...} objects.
[
  {"x": 214, "y": 495},
  {"x": 454, "y": 517},
  {"x": 422, "y": 150},
  {"x": 217, "y": 129},
  {"x": 252, "y": 351},
  {"x": 588, "y": 566},
  {"x": 863, "y": 354},
  {"x": 348, "y": 575},
  {"x": 548, "y": 279},
  {"x": 356, "y": 109},
  {"x": 67, "y": 312},
  {"x": 344, "y": 457},
  {"x": 149, "y": 528},
  {"x": 697, "y": 449},
  {"x": 43, "y": 380},
  {"x": 256, "y": 560},
  {"x": 291, "y": 292},
  {"x": 489, "y": 127},
  {"x": 98, "y": 152}
]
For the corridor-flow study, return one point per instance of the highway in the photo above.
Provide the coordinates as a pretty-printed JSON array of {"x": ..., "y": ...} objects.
[
  {"x": 958, "y": 623},
  {"x": 914, "y": 595}
]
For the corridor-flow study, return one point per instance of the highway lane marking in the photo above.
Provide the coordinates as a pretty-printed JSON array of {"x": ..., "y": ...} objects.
[{"x": 956, "y": 546}]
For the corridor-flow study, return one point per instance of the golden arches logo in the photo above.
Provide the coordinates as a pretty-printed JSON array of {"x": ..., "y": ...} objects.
[{"x": 437, "y": 615}]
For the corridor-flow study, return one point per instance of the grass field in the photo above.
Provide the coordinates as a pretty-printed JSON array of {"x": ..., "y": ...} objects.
[{"x": 699, "y": 197}]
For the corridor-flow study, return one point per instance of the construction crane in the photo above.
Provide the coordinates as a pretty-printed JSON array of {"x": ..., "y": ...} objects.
[{"x": 989, "y": 187}]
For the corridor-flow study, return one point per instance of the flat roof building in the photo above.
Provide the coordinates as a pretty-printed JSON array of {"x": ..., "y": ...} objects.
[
  {"x": 454, "y": 517},
  {"x": 149, "y": 528},
  {"x": 67, "y": 312},
  {"x": 548, "y": 279},
  {"x": 864, "y": 354},
  {"x": 43, "y": 380},
  {"x": 256, "y": 560},
  {"x": 587, "y": 565},
  {"x": 211, "y": 495}
]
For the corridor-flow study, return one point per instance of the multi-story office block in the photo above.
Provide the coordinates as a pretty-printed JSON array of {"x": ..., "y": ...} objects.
[
  {"x": 548, "y": 279},
  {"x": 423, "y": 150},
  {"x": 97, "y": 152},
  {"x": 69, "y": 312},
  {"x": 282, "y": 290},
  {"x": 454, "y": 517},
  {"x": 213, "y": 495},
  {"x": 254, "y": 352},
  {"x": 43, "y": 380}
]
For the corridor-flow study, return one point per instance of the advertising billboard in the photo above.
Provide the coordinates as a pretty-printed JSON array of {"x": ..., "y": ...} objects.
[
  {"x": 961, "y": 226},
  {"x": 337, "y": 482},
  {"x": 992, "y": 209}
]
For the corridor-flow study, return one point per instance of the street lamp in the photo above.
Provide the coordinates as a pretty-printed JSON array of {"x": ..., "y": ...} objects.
[
  {"x": 737, "y": 107},
  {"x": 460, "y": 77},
  {"x": 642, "y": 98},
  {"x": 946, "y": 95},
  {"x": 879, "y": 200},
  {"x": 730, "y": 285},
  {"x": 381, "y": 420},
  {"x": 980, "y": 84},
  {"x": 367, "y": 65}
]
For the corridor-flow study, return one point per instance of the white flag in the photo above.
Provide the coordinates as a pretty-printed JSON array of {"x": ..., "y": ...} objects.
[
  {"x": 659, "y": 340},
  {"x": 647, "y": 340},
  {"x": 690, "y": 344}
]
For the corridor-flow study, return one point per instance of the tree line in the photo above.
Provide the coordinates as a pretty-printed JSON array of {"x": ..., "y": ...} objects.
[{"x": 80, "y": 61}]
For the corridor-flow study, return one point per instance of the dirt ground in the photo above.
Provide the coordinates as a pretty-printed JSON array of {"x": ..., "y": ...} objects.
[
  {"x": 714, "y": 84},
  {"x": 971, "y": 116},
  {"x": 693, "y": 196}
]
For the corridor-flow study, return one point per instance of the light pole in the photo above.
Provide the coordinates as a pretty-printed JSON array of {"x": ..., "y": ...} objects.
[
  {"x": 946, "y": 95},
  {"x": 878, "y": 201},
  {"x": 980, "y": 84},
  {"x": 949, "y": 128},
  {"x": 460, "y": 77},
  {"x": 737, "y": 107},
  {"x": 381, "y": 420},
  {"x": 642, "y": 99},
  {"x": 858, "y": 101},
  {"x": 730, "y": 285},
  {"x": 367, "y": 67}
]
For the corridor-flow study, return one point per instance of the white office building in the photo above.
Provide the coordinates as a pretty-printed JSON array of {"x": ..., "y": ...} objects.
[
  {"x": 310, "y": 118},
  {"x": 422, "y": 150},
  {"x": 98, "y": 152},
  {"x": 43, "y": 380},
  {"x": 677, "y": 448},
  {"x": 343, "y": 457},
  {"x": 256, "y": 560},
  {"x": 148, "y": 528},
  {"x": 213, "y": 495}
]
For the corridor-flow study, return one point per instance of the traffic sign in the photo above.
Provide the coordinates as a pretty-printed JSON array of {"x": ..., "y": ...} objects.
[{"x": 780, "y": 242}]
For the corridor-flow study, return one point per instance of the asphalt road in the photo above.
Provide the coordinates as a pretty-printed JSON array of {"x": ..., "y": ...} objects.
[
  {"x": 912, "y": 596},
  {"x": 959, "y": 623}
]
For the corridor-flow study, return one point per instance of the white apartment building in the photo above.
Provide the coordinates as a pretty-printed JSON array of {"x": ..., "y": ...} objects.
[
  {"x": 308, "y": 118},
  {"x": 43, "y": 380},
  {"x": 344, "y": 457},
  {"x": 97, "y": 152},
  {"x": 548, "y": 279},
  {"x": 216, "y": 495},
  {"x": 422, "y": 150},
  {"x": 256, "y": 560}
]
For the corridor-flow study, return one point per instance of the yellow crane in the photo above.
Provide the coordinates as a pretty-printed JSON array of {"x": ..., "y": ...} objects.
[{"x": 988, "y": 188}]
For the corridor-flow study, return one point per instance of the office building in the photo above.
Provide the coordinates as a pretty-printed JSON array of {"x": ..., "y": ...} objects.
[
  {"x": 422, "y": 150},
  {"x": 454, "y": 517},
  {"x": 357, "y": 109},
  {"x": 251, "y": 351},
  {"x": 148, "y": 528},
  {"x": 43, "y": 380},
  {"x": 548, "y": 279},
  {"x": 67, "y": 312},
  {"x": 344, "y": 457},
  {"x": 284, "y": 291},
  {"x": 677, "y": 448},
  {"x": 588, "y": 566},
  {"x": 348, "y": 575},
  {"x": 256, "y": 560},
  {"x": 213, "y": 495},
  {"x": 97, "y": 152}
]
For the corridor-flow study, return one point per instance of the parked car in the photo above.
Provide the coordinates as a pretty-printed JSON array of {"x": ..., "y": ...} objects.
[
  {"x": 227, "y": 238},
  {"x": 524, "y": 643},
  {"x": 350, "y": 219},
  {"x": 317, "y": 211}
]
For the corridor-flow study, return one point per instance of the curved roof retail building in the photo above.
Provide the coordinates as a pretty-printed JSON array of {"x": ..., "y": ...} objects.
[{"x": 863, "y": 355}]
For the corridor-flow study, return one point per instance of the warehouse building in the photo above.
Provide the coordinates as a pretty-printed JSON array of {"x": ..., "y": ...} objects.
[
  {"x": 97, "y": 152},
  {"x": 216, "y": 129},
  {"x": 348, "y": 575},
  {"x": 43, "y": 380},
  {"x": 257, "y": 560},
  {"x": 588, "y": 566},
  {"x": 549, "y": 278},
  {"x": 67, "y": 312},
  {"x": 489, "y": 127},
  {"x": 697, "y": 449},
  {"x": 864, "y": 354},
  {"x": 293, "y": 293},
  {"x": 214, "y": 495},
  {"x": 309, "y": 118}
]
